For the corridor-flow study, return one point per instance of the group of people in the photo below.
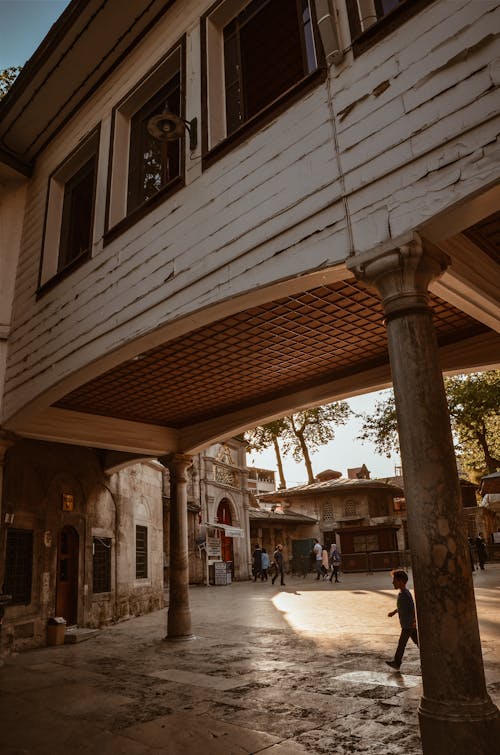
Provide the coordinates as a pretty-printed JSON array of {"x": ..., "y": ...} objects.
[
  {"x": 261, "y": 565},
  {"x": 326, "y": 561}
]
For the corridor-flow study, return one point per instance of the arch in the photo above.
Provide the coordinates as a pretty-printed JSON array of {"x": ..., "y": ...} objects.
[{"x": 224, "y": 515}]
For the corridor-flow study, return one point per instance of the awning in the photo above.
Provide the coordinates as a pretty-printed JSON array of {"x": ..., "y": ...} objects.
[{"x": 229, "y": 531}]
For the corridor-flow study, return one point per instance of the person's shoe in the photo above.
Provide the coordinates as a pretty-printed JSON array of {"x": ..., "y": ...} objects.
[{"x": 393, "y": 665}]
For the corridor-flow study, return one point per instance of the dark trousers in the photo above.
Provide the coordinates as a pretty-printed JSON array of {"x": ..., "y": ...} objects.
[
  {"x": 263, "y": 575},
  {"x": 403, "y": 639},
  {"x": 335, "y": 573},
  {"x": 278, "y": 569}
]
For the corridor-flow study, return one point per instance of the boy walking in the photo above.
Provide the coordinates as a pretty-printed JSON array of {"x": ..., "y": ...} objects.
[{"x": 406, "y": 610}]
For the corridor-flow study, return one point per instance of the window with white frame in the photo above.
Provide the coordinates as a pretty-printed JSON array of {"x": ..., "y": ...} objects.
[
  {"x": 257, "y": 52},
  {"x": 144, "y": 170},
  {"x": 69, "y": 220}
]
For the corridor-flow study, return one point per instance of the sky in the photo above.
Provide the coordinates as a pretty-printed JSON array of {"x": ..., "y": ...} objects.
[
  {"x": 23, "y": 25},
  {"x": 341, "y": 454}
]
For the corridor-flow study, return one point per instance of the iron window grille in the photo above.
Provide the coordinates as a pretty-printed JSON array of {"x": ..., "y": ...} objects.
[
  {"x": 141, "y": 552},
  {"x": 19, "y": 566},
  {"x": 101, "y": 564}
]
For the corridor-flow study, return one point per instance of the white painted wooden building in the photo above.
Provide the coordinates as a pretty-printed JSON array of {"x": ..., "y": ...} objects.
[{"x": 213, "y": 213}]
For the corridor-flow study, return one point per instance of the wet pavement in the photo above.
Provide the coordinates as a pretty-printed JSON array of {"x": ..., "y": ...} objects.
[{"x": 281, "y": 671}]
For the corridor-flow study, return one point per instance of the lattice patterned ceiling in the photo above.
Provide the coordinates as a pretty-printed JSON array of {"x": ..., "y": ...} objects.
[{"x": 256, "y": 355}]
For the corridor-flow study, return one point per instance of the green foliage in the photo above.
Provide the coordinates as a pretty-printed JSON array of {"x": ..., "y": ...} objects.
[
  {"x": 7, "y": 78},
  {"x": 474, "y": 404},
  {"x": 316, "y": 426},
  {"x": 300, "y": 434}
]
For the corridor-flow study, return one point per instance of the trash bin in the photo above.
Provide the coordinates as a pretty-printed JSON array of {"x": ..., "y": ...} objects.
[{"x": 56, "y": 629}]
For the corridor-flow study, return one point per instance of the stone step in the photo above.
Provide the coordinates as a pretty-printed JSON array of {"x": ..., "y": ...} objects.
[{"x": 79, "y": 634}]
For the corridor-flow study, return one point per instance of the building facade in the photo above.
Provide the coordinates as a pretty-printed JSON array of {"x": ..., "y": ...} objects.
[{"x": 81, "y": 543}]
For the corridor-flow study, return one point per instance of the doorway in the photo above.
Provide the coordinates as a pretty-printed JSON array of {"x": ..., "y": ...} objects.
[
  {"x": 67, "y": 575},
  {"x": 224, "y": 517}
]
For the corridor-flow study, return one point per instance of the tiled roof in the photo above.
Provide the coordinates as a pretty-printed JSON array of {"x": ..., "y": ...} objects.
[
  {"x": 288, "y": 516},
  {"x": 330, "y": 486}
]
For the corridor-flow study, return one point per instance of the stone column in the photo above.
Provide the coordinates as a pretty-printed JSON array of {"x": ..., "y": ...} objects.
[
  {"x": 457, "y": 717},
  {"x": 179, "y": 613}
]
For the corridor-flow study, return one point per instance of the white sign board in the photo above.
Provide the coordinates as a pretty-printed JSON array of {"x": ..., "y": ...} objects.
[{"x": 213, "y": 548}]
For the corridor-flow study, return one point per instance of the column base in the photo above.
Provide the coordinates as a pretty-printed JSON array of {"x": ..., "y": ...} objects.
[
  {"x": 459, "y": 729},
  {"x": 179, "y": 623},
  {"x": 184, "y": 638}
]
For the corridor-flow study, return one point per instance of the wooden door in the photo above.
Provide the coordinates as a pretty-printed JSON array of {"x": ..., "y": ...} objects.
[
  {"x": 224, "y": 517},
  {"x": 67, "y": 575}
]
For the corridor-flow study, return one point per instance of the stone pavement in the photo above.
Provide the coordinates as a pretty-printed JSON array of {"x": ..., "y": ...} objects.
[{"x": 281, "y": 671}]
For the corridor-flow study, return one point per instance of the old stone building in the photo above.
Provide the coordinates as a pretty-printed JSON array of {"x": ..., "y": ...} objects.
[
  {"x": 80, "y": 543},
  {"x": 362, "y": 516}
]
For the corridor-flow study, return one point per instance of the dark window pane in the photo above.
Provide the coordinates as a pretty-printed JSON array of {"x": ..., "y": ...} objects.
[
  {"x": 76, "y": 228},
  {"x": 101, "y": 565},
  {"x": 141, "y": 552},
  {"x": 268, "y": 48},
  {"x": 19, "y": 566},
  {"x": 153, "y": 164}
]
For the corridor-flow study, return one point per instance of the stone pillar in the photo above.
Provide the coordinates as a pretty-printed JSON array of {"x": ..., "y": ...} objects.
[
  {"x": 457, "y": 717},
  {"x": 179, "y": 613}
]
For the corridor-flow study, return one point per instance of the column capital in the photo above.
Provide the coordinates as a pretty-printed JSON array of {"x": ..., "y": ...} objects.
[
  {"x": 176, "y": 460},
  {"x": 401, "y": 274}
]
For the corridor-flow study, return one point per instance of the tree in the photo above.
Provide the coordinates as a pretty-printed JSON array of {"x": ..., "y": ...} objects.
[
  {"x": 474, "y": 402},
  {"x": 300, "y": 434},
  {"x": 474, "y": 405},
  {"x": 7, "y": 78},
  {"x": 263, "y": 437},
  {"x": 312, "y": 428}
]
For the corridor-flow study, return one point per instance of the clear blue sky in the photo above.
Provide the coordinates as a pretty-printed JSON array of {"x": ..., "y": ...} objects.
[{"x": 23, "y": 25}]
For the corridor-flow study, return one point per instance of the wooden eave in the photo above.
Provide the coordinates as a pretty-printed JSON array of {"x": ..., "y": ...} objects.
[{"x": 81, "y": 49}]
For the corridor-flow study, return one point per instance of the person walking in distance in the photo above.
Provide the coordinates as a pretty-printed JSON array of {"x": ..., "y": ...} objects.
[
  {"x": 482, "y": 553},
  {"x": 264, "y": 564},
  {"x": 278, "y": 564},
  {"x": 406, "y": 611},
  {"x": 256, "y": 562},
  {"x": 318, "y": 558},
  {"x": 335, "y": 562}
]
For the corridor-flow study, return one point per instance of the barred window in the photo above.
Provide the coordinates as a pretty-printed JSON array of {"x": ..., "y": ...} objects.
[
  {"x": 350, "y": 508},
  {"x": 19, "y": 566},
  {"x": 141, "y": 552},
  {"x": 328, "y": 512},
  {"x": 101, "y": 564}
]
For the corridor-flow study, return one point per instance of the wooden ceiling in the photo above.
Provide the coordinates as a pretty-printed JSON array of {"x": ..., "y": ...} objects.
[{"x": 255, "y": 355}]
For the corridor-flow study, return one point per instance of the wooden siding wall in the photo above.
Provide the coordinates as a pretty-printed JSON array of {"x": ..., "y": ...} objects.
[{"x": 416, "y": 120}]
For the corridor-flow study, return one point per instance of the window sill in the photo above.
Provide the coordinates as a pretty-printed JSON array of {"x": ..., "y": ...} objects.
[
  {"x": 62, "y": 274},
  {"x": 254, "y": 124},
  {"x": 144, "y": 209}
]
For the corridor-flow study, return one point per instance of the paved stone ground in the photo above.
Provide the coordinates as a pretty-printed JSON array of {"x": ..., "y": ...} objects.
[{"x": 281, "y": 671}]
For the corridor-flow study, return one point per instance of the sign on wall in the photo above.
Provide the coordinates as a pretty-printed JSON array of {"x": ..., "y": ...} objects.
[{"x": 213, "y": 548}]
